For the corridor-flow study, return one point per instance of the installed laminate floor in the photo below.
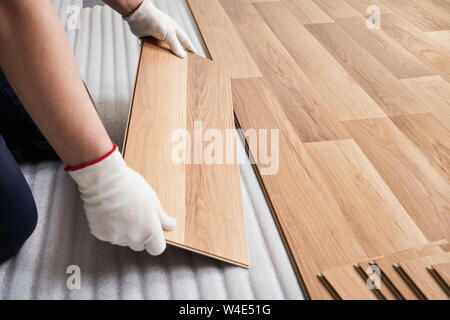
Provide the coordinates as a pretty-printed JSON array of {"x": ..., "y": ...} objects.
[{"x": 362, "y": 116}]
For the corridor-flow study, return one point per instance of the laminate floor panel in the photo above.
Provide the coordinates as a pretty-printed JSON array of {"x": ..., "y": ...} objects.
[
  {"x": 336, "y": 86},
  {"x": 362, "y": 6},
  {"x": 379, "y": 83},
  {"x": 441, "y": 37},
  {"x": 430, "y": 136},
  {"x": 435, "y": 92},
  {"x": 418, "y": 43},
  {"x": 349, "y": 284},
  {"x": 337, "y": 8},
  {"x": 386, "y": 265},
  {"x": 421, "y": 189},
  {"x": 422, "y": 14},
  {"x": 303, "y": 216},
  {"x": 400, "y": 62},
  {"x": 312, "y": 118},
  {"x": 443, "y": 270},
  {"x": 197, "y": 92},
  {"x": 306, "y": 11},
  {"x": 416, "y": 269}
]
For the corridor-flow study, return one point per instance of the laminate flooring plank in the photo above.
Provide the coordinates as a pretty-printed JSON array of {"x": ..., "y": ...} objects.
[
  {"x": 362, "y": 5},
  {"x": 440, "y": 37},
  {"x": 337, "y": 9},
  {"x": 336, "y": 86},
  {"x": 419, "y": 44},
  {"x": 443, "y": 269},
  {"x": 306, "y": 11},
  {"x": 443, "y": 5},
  {"x": 316, "y": 231},
  {"x": 435, "y": 92},
  {"x": 422, "y": 191},
  {"x": 378, "y": 82},
  {"x": 420, "y": 13},
  {"x": 208, "y": 13},
  {"x": 214, "y": 212},
  {"x": 240, "y": 11},
  {"x": 349, "y": 284},
  {"x": 400, "y": 62},
  {"x": 171, "y": 94},
  {"x": 223, "y": 42},
  {"x": 430, "y": 136},
  {"x": 312, "y": 118},
  {"x": 386, "y": 264},
  {"x": 417, "y": 271},
  {"x": 366, "y": 201},
  {"x": 227, "y": 48},
  {"x": 158, "y": 96}
]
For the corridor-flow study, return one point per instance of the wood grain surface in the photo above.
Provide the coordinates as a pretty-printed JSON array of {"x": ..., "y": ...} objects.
[
  {"x": 443, "y": 269},
  {"x": 422, "y": 190},
  {"x": 386, "y": 264},
  {"x": 417, "y": 271},
  {"x": 173, "y": 94}
]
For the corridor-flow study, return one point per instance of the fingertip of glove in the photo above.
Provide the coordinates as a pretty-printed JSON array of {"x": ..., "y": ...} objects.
[
  {"x": 169, "y": 224},
  {"x": 179, "y": 53},
  {"x": 156, "y": 247}
]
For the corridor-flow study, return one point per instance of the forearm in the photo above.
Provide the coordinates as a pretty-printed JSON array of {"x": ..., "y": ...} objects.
[
  {"x": 37, "y": 59},
  {"x": 124, "y": 7}
]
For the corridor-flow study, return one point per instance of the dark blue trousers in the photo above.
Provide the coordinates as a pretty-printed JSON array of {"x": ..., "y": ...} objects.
[
  {"x": 18, "y": 214},
  {"x": 19, "y": 139}
]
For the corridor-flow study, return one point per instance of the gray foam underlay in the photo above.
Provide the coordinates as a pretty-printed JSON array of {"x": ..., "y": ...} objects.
[{"x": 107, "y": 54}]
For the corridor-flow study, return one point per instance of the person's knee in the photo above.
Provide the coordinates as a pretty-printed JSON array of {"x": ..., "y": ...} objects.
[{"x": 17, "y": 224}]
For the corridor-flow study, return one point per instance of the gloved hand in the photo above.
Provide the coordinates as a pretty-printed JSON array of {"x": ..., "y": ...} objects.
[
  {"x": 147, "y": 20},
  {"x": 120, "y": 206}
]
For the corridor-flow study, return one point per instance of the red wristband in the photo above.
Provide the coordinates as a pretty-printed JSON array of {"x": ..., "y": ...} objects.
[{"x": 90, "y": 163}]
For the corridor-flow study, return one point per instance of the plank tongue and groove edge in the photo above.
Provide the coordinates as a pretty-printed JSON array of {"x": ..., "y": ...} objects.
[{"x": 172, "y": 96}]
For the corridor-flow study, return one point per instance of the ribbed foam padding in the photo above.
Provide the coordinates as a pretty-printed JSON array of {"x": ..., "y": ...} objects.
[{"x": 107, "y": 54}]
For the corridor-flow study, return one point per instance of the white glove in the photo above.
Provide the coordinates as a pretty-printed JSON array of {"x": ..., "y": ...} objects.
[
  {"x": 120, "y": 206},
  {"x": 147, "y": 20}
]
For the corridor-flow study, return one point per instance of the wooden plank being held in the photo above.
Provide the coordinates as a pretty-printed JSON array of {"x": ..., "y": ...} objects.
[
  {"x": 336, "y": 86},
  {"x": 422, "y": 191},
  {"x": 176, "y": 101}
]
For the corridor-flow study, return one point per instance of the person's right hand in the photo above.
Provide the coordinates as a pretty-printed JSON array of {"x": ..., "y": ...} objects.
[
  {"x": 147, "y": 20},
  {"x": 120, "y": 205}
]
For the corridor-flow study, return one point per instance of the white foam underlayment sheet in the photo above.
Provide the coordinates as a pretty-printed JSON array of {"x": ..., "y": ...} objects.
[{"x": 107, "y": 54}]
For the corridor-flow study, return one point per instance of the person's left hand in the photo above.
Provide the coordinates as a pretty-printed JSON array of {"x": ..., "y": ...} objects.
[{"x": 147, "y": 20}]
